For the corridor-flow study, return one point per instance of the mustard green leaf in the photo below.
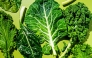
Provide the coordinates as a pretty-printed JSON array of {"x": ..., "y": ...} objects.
[{"x": 7, "y": 34}]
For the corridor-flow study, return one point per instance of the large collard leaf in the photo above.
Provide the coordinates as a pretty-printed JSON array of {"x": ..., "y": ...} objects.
[
  {"x": 44, "y": 19},
  {"x": 7, "y": 34},
  {"x": 28, "y": 44},
  {"x": 10, "y": 5}
]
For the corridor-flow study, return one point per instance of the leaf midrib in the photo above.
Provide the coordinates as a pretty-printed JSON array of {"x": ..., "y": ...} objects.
[{"x": 51, "y": 43}]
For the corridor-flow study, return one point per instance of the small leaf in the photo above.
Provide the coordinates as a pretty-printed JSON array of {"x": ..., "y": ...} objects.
[
  {"x": 10, "y": 5},
  {"x": 46, "y": 49}
]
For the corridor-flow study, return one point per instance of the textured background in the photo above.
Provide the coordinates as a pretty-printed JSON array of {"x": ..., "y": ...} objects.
[{"x": 26, "y": 3}]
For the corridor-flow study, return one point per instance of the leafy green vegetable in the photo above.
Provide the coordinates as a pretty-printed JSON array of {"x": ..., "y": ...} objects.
[
  {"x": 28, "y": 44},
  {"x": 46, "y": 23},
  {"x": 44, "y": 18},
  {"x": 10, "y": 5},
  {"x": 77, "y": 19},
  {"x": 81, "y": 51},
  {"x": 7, "y": 35}
]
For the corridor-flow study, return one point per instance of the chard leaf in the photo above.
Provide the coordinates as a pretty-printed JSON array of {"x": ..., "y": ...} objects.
[
  {"x": 44, "y": 18},
  {"x": 7, "y": 34},
  {"x": 10, "y": 5},
  {"x": 27, "y": 43}
]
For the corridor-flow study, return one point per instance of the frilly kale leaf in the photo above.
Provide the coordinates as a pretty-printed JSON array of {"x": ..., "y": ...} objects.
[
  {"x": 44, "y": 18},
  {"x": 81, "y": 51},
  {"x": 77, "y": 18},
  {"x": 7, "y": 35},
  {"x": 10, "y": 5},
  {"x": 28, "y": 44}
]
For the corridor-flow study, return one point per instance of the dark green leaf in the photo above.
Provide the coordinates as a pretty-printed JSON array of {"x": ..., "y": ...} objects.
[
  {"x": 77, "y": 19},
  {"x": 28, "y": 44},
  {"x": 44, "y": 18}
]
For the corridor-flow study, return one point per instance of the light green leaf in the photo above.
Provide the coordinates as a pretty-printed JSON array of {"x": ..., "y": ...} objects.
[
  {"x": 10, "y": 5},
  {"x": 7, "y": 34}
]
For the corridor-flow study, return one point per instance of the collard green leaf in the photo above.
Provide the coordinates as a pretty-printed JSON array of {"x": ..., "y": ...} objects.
[
  {"x": 7, "y": 34},
  {"x": 44, "y": 19},
  {"x": 10, "y": 5},
  {"x": 28, "y": 44}
]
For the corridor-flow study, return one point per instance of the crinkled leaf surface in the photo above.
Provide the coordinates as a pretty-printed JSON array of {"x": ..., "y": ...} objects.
[
  {"x": 82, "y": 51},
  {"x": 44, "y": 19},
  {"x": 7, "y": 34},
  {"x": 77, "y": 18},
  {"x": 28, "y": 44},
  {"x": 10, "y": 5}
]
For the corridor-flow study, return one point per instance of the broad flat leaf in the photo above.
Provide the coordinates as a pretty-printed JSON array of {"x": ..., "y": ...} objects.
[
  {"x": 44, "y": 18},
  {"x": 7, "y": 34},
  {"x": 28, "y": 44},
  {"x": 10, "y": 5}
]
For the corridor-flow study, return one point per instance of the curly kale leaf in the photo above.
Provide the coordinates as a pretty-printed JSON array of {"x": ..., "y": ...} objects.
[
  {"x": 7, "y": 35},
  {"x": 28, "y": 44},
  {"x": 81, "y": 51},
  {"x": 10, "y": 5},
  {"x": 44, "y": 19},
  {"x": 77, "y": 18}
]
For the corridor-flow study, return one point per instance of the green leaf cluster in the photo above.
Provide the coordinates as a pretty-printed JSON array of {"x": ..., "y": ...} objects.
[
  {"x": 10, "y": 5},
  {"x": 50, "y": 24},
  {"x": 81, "y": 51},
  {"x": 77, "y": 18},
  {"x": 47, "y": 24}
]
